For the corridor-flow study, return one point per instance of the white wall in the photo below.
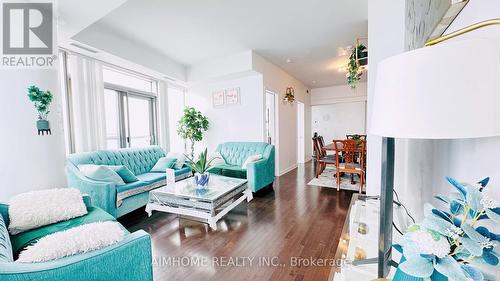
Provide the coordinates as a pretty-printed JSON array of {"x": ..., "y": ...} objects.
[
  {"x": 335, "y": 121},
  {"x": 220, "y": 67},
  {"x": 386, "y": 33},
  {"x": 277, "y": 80},
  {"x": 29, "y": 161},
  {"x": 243, "y": 122},
  {"x": 339, "y": 94},
  {"x": 339, "y": 110}
]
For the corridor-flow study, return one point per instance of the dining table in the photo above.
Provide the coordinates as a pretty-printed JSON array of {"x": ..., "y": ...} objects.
[{"x": 331, "y": 147}]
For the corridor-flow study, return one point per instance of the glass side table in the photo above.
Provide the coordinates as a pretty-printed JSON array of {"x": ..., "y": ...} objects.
[{"x": 358, "y": 241}]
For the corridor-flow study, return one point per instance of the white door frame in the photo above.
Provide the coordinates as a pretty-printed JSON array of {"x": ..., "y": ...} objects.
[
  {"x": 276, "y": 127},
  {"x": 301, "y": 133}
]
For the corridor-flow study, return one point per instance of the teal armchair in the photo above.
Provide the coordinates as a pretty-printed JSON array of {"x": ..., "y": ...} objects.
[
  {"x": 259, "y": 174},
  {"x": 129, "y": 259}
]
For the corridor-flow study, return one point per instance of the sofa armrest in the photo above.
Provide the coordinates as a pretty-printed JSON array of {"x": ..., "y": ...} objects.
[
  {"x": 129, "y": 259},
  {"x": 261, "y": 173},
  {"x": 102, "y": 194}
]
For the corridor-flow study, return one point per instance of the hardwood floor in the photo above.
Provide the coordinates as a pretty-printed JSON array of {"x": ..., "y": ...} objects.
[{"x": 293, "y": 221}]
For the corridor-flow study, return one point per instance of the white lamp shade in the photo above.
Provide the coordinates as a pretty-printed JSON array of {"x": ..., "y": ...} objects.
[{"x": 447, "y": 91}]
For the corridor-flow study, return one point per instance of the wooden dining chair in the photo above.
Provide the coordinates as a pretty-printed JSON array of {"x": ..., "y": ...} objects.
[
  {"x": 352, "y": 150},
  {"x": 322, "y": 145},
  {"x": 321, "y": 140},
  {"x": 322, "y": 160}
]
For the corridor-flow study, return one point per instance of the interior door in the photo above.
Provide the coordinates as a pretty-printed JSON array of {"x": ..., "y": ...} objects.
[
  {"x": 300, "y": 133},
  {"x": 270, "y": 117}
]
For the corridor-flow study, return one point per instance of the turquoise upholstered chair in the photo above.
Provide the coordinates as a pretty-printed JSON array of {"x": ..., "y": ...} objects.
[
  {"x": 119, "y": 200},
  {"x": 259, "y": 174},
  {"x": 130, "y": 259}
]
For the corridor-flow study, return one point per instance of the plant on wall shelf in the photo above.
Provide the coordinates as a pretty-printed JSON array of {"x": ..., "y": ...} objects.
[
  {"x": 42, "y": 101},
  {"x": 191, "y": 126},
  {"x": 357, "y": 59}
]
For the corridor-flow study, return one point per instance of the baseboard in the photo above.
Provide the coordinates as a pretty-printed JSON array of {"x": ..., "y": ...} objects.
[{"x": 288, "y": 170}]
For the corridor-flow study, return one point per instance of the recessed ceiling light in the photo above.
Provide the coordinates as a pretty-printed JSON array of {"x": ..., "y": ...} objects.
[
  {"x": 314, "y": 81},
  {"x": 289, "y": 60}
]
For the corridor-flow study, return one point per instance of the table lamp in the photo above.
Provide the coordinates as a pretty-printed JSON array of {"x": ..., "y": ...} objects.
[{"x": 446, "y": 91}]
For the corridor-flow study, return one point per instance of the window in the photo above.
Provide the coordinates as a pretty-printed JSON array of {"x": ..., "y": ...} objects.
[
  {"x": 130, "y": 109},
  {"x": 131, "y": 81},
  {"x": 175, "y": 111},
  {"x": 112, "y": 118}
]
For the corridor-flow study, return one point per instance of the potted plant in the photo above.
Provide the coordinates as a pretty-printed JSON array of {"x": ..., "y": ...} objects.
[
  {"x": 41, "y": 100},
  {"x": 191, "y": 126},
  {"x": 450, "y": 243},
  {"x": 200, "y": 167},
  {"x": 358, "y": 57}
]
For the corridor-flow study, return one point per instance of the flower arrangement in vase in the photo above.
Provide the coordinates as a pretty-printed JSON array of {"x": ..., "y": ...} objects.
[
  {"x": 200, "y": 167},
  {"x": 450, "y": 244}
]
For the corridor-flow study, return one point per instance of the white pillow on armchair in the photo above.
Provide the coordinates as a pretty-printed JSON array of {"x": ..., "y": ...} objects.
[
  {"x": 43, "y": 207},
  {"x": 251, "y": 159},
  {"x": 76, "y": 240}
]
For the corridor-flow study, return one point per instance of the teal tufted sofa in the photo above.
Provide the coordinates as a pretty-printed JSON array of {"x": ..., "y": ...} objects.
[
  {"x": 119, "y": 200},
  {"x": 259, "y": 174},
  {"x": 127, "y": 260}
]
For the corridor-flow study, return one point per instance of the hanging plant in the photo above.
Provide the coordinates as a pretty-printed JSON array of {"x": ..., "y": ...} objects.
[
  {"x": 42, "y": 101},
  {"x": 358, "y": 58}
]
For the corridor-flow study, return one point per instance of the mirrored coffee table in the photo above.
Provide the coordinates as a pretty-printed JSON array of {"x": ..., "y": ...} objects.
[{"x": 210, "y": 205}]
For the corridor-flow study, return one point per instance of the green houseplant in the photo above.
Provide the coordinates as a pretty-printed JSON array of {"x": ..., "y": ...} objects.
[
  {"x": 192, "y": 125},
  {"x": 200, "y": 167},
  {"x": 358, "y": 57},
  {"x": 42, "y": 101}
]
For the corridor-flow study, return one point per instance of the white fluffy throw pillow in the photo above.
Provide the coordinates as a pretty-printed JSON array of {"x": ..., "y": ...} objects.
[
  {"x": 42, "y": 207},
  {"x": 251, "y": 159},
  {"x": 76, "y": 240}
]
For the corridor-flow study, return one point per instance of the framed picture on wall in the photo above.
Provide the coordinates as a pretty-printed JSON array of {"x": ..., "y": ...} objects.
[
  {"x": 218, "y": 98},
  {"x": 233, "y": 96}
]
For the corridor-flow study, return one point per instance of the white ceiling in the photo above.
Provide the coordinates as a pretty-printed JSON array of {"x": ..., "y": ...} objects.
[{"x": 191, "y": 31}]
